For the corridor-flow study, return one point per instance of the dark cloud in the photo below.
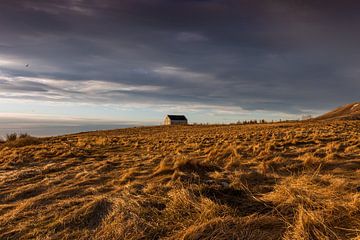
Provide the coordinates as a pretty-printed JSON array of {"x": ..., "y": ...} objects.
[{"x": 274, "y": 55}]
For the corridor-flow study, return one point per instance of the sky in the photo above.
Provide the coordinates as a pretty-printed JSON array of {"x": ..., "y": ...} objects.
[{"x": 216, "y": 61}]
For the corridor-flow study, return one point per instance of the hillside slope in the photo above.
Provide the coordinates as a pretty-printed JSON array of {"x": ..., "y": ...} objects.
[
  {"x": 265, "y": 181},
  {"x": 348, "y": 112}
]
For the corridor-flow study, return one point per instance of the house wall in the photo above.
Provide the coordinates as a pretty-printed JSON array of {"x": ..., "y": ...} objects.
[
  {"x": 178, "y": 122},
  {"x": 168, "y": 121}
]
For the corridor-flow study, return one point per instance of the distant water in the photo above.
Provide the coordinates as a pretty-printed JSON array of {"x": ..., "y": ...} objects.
[{"x": 46, "y": 131}]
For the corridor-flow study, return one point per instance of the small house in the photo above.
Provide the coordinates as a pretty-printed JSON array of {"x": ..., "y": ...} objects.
[{"x": 175, "y": 120}]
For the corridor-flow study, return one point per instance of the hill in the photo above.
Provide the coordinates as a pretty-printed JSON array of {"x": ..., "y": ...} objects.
[
  {"x": 266, "y": 181},
  {"x": 346, "y": 112}
]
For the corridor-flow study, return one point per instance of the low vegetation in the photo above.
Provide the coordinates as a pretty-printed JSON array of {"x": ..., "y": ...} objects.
[
  {"x": 262, "y": 181},
  {"x": 20, "y": 140}
]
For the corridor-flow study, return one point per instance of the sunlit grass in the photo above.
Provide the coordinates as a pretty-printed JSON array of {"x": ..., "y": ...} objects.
[{"x": 265, "y": 181}]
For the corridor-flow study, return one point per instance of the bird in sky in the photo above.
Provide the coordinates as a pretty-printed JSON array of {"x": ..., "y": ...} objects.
[{"x": 27, "y": 65}]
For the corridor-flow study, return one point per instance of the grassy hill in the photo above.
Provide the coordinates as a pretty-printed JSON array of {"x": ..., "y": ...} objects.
[
  {"x": 348, "y": 111},
  {"x": 264, "y": 181}
]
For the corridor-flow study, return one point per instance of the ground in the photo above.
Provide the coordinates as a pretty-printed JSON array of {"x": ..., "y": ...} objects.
[{"x": 262, "y": 181}]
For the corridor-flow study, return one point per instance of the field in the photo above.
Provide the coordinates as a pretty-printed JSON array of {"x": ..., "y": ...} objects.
[{"x": 261, "y": 181}]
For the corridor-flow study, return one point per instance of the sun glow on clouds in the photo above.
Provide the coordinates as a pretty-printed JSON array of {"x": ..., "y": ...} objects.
[
  {"x": 89, "y": 86},
  {"x": 25, "y": 64},
  {"x": 7, "y": 62},
  {"x": 190, "y": 37},
  {"x": 48, "y": 119},
  {"x": 64, "y": 89},
  {"x": 184, "y": 74},
  {"x": 74, "y": 6}
]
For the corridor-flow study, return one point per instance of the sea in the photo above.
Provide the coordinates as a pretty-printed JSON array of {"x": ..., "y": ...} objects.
[{"x": 56, "y": 130}]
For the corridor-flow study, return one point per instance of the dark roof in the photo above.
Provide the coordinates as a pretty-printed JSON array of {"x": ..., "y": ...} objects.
[{"x": 177, "y": 117}]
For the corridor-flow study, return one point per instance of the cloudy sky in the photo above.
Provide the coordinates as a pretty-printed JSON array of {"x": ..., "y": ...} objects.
[{"x": 213, "y": 60}]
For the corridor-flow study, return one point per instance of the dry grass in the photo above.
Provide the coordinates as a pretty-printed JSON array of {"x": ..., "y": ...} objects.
[
  {"x": 274, "y": 181},
  {"x": 21, "y": 140}
]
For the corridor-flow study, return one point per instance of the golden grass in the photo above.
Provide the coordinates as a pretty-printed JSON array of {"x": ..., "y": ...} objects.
[{"x": 266, "y": 181}]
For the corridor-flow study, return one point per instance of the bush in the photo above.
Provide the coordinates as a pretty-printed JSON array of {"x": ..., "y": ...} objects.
[
  {"x": 11, "y": 137},
  {"x": 24, "y": 135},
  {"x": 22, "y": 140}
]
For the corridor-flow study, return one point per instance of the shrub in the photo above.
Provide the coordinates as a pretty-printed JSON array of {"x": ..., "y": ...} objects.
[
  {"x": 22, "y": 140},
  {"x": 11, "y": 137},
  {"x": 24, "y": 135}
]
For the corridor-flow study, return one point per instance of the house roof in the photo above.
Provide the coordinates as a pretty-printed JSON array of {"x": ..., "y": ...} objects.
[{"x": 177, "y": 117}]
